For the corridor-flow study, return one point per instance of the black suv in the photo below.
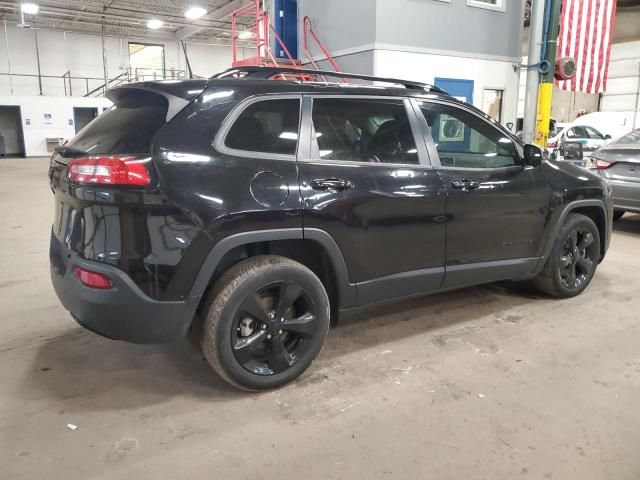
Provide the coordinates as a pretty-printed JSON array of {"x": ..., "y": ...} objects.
[{"x": 257, "y": 209}]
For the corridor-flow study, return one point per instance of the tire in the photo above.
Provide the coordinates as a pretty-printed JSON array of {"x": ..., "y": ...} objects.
[
  {"x": 617, "y": 215},
  {"x": 577, "y": 250},
  {"x": 251, "y": 336}
]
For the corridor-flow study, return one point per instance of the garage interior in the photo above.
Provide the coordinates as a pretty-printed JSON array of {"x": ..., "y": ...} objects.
[{"x": 493, "y": 381}]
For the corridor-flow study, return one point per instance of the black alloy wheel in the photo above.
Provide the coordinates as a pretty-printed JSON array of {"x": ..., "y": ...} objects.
[
  {"x": 577, "y": 258},
  {"x": 573, "y": 259},
  {"x": 266, "y": 319},
  {"x": 273, "y": 327}
]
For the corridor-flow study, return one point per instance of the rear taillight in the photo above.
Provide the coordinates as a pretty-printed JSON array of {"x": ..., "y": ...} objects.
[
  {"x": 552, "y": 145},
  {"x": 602, "y": 164},
  {"x": 112, "y": 170},
  {"x": 92, "y": 279}
]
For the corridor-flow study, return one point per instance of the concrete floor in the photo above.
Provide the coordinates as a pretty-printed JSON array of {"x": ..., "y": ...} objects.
[{"x": 487, "y": 382}]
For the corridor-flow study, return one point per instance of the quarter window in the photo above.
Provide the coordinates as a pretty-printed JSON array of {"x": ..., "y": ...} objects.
[
  {"x": 266, "y": 126},
  {"x": 464, "y": 140},
  {"x": 363, "y": 130}
]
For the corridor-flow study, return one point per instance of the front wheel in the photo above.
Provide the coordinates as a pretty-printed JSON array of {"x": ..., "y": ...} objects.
[
  {"x": 573, "y": 259},
  {"x": 266, "y": 320}
]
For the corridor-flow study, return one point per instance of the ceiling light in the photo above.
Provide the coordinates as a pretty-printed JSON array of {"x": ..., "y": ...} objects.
[
  {"x": 193, "y": 13},
  {"x": 247, "y": 34},
  {"x": 29, "y": 8},
  {"x": 154, "y": 24}
]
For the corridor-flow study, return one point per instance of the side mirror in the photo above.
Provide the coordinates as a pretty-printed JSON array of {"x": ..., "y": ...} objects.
[
  {"x": 532, "y": 155},
  {"x": 571, "y": 151},
  {"x": 510, "y": 126},
  {"x": 607, "y": 137}
]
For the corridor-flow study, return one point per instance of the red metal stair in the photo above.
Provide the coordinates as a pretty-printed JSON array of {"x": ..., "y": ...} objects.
[{"x": 259, "y": 30}]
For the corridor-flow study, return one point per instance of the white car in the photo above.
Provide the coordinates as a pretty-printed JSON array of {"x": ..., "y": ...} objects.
[
  {"x": 615, "y": 124},
  {"x": 590, "y": 139}
]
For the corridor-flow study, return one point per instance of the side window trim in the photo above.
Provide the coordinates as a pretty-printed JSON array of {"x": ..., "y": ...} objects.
[
  {"x": 313, "y": 153},
  {"x": 433, "y": 152},
  {"x": 219, "y": 140}
]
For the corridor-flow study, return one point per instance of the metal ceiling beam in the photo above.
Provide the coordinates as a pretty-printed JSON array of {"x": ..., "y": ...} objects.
[
  {"x": 216, "y": 15},
  {"x": 65, "y": 11}
]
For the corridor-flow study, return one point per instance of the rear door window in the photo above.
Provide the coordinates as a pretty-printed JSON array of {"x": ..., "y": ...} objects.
[
  {"x": 363, "y": 130},
  {"x": 126, "y": 128},
  {"x": 266, "y": 126}
]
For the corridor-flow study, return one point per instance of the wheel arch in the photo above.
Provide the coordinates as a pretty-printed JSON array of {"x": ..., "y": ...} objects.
[
  {"x": 595, "y": 209},
  {"x": 314, "y": 248}
]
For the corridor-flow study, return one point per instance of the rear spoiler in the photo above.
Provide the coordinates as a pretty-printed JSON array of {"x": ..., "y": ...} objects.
[{"x": 177, "y": 93}]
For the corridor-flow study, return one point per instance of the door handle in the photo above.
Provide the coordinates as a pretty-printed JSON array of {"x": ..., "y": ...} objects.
[
  {"x": 464, "y": 185},
  {"x": 337, "y": 184}
]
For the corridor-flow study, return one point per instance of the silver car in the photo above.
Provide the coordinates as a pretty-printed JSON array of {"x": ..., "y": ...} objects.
[{"x": 619, "y": 164}]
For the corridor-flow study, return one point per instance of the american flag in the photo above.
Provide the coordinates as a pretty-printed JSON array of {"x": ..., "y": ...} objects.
[{"x": 586, "y": 28}]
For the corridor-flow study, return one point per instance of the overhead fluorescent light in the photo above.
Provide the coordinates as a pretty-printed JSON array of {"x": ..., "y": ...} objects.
[
  {"x": 246, "y": 35},
  {"x": 154, "y": 24},
  {"x": 29, "y": 8},
  {"x": 193, "y": 13}
]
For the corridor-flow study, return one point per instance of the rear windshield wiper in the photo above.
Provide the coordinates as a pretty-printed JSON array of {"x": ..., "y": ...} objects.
[{"x": 67, "y": 151}]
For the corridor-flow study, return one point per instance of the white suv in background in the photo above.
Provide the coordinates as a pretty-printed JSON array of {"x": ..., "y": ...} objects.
[{"x": 589, "y": 137}]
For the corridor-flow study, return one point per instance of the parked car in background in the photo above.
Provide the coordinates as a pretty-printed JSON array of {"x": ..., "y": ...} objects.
[
  {"x": 590, "y": 139},
  {"x": 614, "y": 124},
  {"x": 619, "y": 164}
]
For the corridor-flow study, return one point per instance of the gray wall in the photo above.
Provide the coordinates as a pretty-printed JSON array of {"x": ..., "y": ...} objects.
[
  {"x": 353, "y": 63},
  {"x": 451, "y": 26},
  {"x": 340, "y": 24},
  {"x": 416, "y": 24}
]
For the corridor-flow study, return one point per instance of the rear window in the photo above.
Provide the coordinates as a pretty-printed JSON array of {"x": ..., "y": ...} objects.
[{"x": 126, "y": 128}]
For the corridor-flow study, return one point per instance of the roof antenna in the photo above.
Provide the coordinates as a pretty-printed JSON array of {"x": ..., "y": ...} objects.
[{"x": 186, "y": 57}]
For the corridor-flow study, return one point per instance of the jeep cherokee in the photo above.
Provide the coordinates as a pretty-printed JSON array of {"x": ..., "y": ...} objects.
[{"x": 258, "y": 209}]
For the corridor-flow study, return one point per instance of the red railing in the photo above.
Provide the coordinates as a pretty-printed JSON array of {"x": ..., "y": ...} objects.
[
  {"x": 307, "y": 30},
  {"x": 258, "y": 31}
]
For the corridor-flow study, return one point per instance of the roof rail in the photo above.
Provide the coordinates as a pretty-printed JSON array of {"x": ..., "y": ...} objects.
[{"x": 268, "y": 73}]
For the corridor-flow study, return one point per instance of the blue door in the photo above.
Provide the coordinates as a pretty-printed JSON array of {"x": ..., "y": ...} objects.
[
  {"x": 286, "y": 24},
  {"x": 450, "y": 132},
  {"x": 456, "y": 87}
]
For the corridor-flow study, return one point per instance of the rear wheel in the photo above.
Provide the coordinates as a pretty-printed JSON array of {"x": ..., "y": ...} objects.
[
  {"x": 573, "y": 259},
  {"x": 617, "y": 215},
  {"x": 266, "y": 320}
]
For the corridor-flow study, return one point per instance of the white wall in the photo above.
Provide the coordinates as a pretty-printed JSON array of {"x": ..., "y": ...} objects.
[
  {"x": 425, "y": 67},
  {"x": 36, "y": 129},
  {"x": 81, "y": 54}
]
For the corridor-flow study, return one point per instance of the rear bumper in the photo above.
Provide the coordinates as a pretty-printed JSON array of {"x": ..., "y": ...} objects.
[
  {"x": 626, "y": 195},
  {"x": 122, "y": 312}
]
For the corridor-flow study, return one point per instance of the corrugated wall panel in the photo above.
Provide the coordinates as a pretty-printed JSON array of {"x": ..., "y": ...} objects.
[{"x": 623, "y": 86}]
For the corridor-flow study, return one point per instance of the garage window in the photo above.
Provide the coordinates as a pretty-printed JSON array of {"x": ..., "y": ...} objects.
[{"x": 266, "y": 126}]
